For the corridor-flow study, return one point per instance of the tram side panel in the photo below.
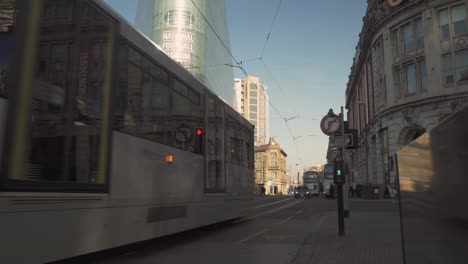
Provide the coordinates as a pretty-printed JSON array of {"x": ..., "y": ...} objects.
[{"x": 3, "y": 111}]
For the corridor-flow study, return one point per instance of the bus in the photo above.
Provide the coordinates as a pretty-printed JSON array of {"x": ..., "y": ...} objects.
[{"x": 312, "y": 181}]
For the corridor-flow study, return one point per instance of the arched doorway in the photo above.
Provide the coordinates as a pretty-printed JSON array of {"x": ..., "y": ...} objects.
[{"x": 409, "y": 134}]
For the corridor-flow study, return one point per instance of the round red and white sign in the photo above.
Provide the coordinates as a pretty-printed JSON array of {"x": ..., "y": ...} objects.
[{"x": 330, "y": 124}]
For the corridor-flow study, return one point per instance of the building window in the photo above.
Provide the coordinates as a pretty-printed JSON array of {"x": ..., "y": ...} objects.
[
  {"x": 410, "y": 78},
  {"x": 459, "y": 62},
  {"x": 394, "y": 41},
  {"x": 419, "y": 33},
  {"x": 458, "y": 19},
  {"x": 444, "y": 24},
  {"x": 422, "y": 74},
  {"x": 274, "y": 174},
  {"x": 448, "y": 69},
  {"x": 396, "y": 78},
  {"x": 408, "y": 37},
  {"x": 461, "y": 65},
  {"x": 273, "y": 155}
]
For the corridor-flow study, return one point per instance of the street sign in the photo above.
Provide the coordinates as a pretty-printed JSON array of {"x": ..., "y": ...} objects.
[
  {"x": 336, "y": 141},
  {"x": 330, "y": 124}
]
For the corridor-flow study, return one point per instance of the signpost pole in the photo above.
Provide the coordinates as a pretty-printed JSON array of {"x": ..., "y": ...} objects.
[
  {"x": 341, "y": 231},
  {"x": 346, "y": 183},
  {"x": 331, "y": 125}
]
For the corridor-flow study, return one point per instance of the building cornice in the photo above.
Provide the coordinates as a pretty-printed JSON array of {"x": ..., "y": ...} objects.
[{"x": 417, "y": 103}]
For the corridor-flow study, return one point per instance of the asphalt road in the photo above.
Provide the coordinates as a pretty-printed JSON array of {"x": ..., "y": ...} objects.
[{"x": 280, "y": 231}]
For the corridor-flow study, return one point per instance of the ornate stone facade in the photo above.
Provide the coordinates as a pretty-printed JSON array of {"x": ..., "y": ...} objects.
[
  {"x": 409, "y": 73},
  {"x": 270, "y": 168}
]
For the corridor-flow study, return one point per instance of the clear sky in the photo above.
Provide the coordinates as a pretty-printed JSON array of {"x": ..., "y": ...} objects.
[{"x": 309, "y": 52}]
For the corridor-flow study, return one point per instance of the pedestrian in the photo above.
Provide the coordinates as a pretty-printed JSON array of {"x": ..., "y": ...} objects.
[
  {"x": 351, "y": 192},
  {"x": 331, "y": 191},
  {"x": 263, "y": 191},
  {"x": 321, "y": 190}
]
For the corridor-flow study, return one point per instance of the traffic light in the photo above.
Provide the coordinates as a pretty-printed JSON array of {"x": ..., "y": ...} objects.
[
  {"x": 199, "y": 140},
  {"x": 338, "y": 172},
  {"x": 350, "y": 138}
]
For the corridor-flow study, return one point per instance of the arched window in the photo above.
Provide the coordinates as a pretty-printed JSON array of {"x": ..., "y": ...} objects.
[{"x": 273, "y": 155}]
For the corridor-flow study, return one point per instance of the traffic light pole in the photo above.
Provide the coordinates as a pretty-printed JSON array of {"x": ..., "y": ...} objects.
[
  {"x": 341, "y": 230},
  {"x": 341, "y": 214}
]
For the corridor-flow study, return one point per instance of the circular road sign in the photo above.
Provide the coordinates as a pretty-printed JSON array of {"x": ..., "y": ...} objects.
[{"x": 330, "y": 124}]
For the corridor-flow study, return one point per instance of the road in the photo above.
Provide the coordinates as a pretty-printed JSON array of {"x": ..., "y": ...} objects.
[{"x": 282, "y": 230}]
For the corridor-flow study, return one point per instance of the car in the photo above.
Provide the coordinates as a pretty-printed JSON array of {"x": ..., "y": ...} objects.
[{"x": 302, "y": 191}]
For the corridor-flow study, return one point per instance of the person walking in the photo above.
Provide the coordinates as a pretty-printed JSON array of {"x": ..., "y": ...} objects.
[
  {"x": 263, "y": 191},
  {"x": 321, "y": 193},
  {"x": 351, "y": 192},
  {"x": 332, "y": 191}
]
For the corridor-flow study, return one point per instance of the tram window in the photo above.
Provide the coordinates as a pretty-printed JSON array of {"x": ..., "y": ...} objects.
[
  {"x": 233, "y": 140},
  {"x": 248, "y": 155},
  {"x": 186, "y": 116},
  {"x": 143, "y": 105},
  {"x": 7, "y": 37},
  {"x": 236, "y": 150},
  {"x": 6, "y": 50},
  {"x": 156, "y": 107},
  {"x": 66, "y": 138},
  {"x": 215, "y": 178}
]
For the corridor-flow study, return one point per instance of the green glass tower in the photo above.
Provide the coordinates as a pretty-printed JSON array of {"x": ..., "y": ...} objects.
[{"x": 179, "y": 28}]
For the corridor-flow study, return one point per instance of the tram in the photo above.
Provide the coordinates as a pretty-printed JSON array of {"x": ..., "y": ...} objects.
[
  {"x": 312, "y": 181},
  {"x": 104, "y": 140}
]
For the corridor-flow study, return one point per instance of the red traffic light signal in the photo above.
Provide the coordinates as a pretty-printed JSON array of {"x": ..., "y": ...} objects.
[{"x": 199, "y": 132}]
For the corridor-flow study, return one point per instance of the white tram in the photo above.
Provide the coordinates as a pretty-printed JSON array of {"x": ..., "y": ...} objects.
[{"x": 105, "y": 141}]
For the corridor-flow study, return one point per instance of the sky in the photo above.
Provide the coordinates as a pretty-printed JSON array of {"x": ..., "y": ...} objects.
[{"x": 309, "y": 53}]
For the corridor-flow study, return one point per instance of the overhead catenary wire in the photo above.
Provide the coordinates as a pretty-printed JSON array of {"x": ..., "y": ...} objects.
[
  {"x": 240, "y": 66},
  {"x": 271, "y": 28},
  {"x": 217, "y": 35}
]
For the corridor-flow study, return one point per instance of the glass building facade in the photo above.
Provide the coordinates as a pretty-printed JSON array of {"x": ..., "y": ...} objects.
[{"x": 179, "y": 28}]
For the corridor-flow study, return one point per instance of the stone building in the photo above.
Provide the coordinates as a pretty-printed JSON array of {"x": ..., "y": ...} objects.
[
  {"x": 410, "y": 72},
  {"x": 270, "y": 168}
]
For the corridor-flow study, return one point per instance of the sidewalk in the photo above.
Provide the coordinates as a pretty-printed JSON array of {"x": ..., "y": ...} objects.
[{"x": 372, "y": 237}]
